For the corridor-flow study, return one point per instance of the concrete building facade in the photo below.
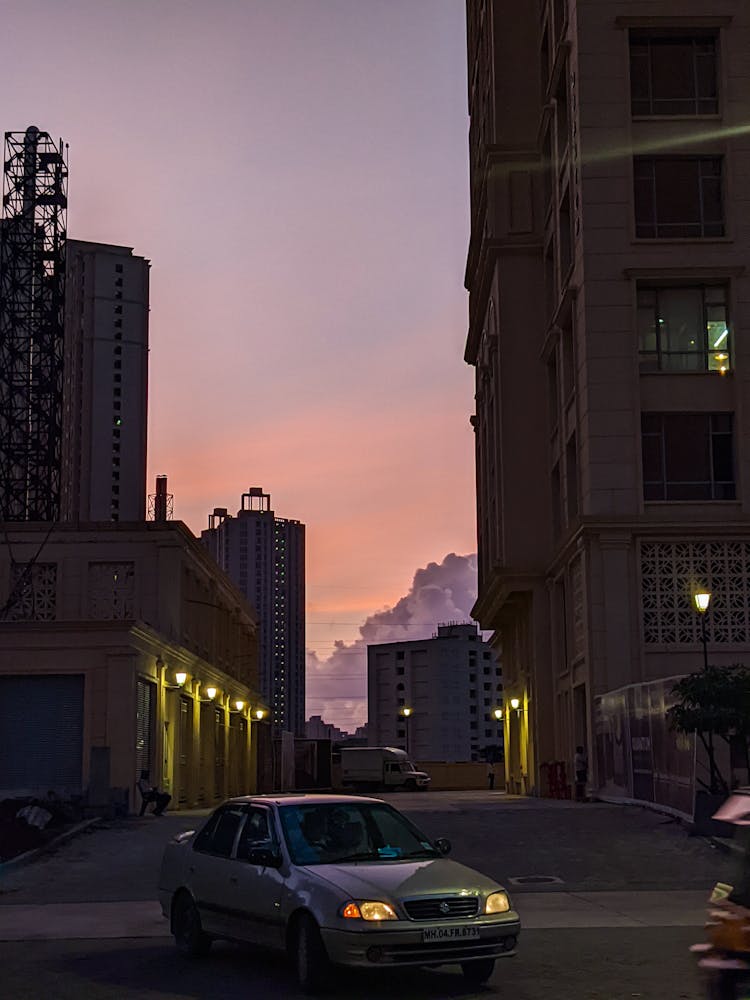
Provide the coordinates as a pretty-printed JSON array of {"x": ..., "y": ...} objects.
[
  {"x": 123, "y": 647},
  {"x": 105, "y": 396},
  {"x": 436, "y": 698},
  {"x": 609, "y": 297},
  {"x": 265, "y": 556}
]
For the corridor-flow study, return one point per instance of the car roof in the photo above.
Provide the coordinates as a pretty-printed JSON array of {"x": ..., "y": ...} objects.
[{"x": 297, "y": 798}]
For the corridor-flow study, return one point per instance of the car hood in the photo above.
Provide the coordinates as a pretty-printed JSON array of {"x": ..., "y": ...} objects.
[{"x": 401, "y": 879}]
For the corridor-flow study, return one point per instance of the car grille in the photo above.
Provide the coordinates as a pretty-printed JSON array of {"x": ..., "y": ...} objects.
[{"x": 441, "y": 908}]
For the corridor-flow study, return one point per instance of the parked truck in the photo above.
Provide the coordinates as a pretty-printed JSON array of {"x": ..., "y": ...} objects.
[{"x": 380, "y": 768}]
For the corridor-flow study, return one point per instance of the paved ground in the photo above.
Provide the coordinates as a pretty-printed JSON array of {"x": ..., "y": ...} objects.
[
  {"x": 627, "y": 901},
  {"x": 551, "y": 965},
  {"x": 588, "y": 847}
]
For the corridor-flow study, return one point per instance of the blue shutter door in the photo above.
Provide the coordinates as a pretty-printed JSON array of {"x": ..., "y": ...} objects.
[{"x": 41, "y": 734}]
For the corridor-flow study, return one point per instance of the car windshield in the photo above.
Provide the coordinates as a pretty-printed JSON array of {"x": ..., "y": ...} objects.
[{"x": 326, "y": 833}]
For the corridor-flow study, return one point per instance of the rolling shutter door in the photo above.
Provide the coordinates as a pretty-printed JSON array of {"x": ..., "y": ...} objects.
[
  {"x": 41, "y": 734},
  {"x": 144, "y": 727}
]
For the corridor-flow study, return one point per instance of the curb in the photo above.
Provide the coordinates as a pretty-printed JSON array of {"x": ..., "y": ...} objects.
[{"x": 28, "y": 856}]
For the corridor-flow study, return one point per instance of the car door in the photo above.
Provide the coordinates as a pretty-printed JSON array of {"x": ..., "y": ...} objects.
[
  {"x": 255, "y": 890},
  {"x": 209, "y": 868}
]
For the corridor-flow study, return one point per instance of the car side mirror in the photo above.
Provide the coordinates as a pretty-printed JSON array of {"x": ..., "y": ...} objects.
[
  {"x": 264, "y": 857},
  {"x": 443, "y": 845}
]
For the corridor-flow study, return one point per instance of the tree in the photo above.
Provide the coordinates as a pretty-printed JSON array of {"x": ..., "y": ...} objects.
[{"x": 714, "y": 703}]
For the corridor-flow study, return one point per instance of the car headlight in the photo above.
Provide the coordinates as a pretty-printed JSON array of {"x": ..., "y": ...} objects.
[
  {"x": 368, "y": 910},
  {"x": 497, "y": 902}
]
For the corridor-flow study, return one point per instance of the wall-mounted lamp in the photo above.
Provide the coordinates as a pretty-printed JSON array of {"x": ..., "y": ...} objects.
[
  {"x": 239, "y": 704},
  {"x": 180, "y": 677},
  {"x": 406, "y": 712},
  {"x": 515, "y": 704},
  {"x": 498, "y": 713},
  {"x": 210, "y": 693},
  {"x": 259, "y": 714}
]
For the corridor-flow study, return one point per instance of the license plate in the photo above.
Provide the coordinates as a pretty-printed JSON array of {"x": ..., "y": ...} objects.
[{"x": 449, "y": 933}]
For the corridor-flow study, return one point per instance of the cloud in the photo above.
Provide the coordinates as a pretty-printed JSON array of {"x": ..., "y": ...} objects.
[{"x": 440, "y": 592}]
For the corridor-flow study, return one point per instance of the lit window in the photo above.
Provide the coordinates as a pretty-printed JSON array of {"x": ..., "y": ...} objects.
[{"x": 684, "y": 329}]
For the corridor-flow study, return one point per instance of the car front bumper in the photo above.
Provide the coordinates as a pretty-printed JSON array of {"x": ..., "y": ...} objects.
[{"x": 403, "y": 945}]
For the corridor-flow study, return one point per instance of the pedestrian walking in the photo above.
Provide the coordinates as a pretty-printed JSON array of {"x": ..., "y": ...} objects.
[
  {"x": 581, "y": 768},
  {"x": 491, "y": 774}
]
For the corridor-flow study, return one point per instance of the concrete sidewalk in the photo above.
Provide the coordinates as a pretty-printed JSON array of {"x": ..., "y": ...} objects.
[{"x": 539, "y": 911}]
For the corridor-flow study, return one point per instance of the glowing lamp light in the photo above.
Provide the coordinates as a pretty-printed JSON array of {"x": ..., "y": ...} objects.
[
  {"x": 180, "y": 677},
  {"x": 498, "y": 713},
  {"x": 211, "y": 693},
  {"x": 239, "y": 704},
  {"x": 407, "y": 712},
  {"x": 515, "y": 704},
  {"x": 702, "y": 600},
  {"x": 259, "y": 713}
]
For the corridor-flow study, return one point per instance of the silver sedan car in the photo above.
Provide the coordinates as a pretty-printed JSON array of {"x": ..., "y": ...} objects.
[{"x": 334, "y": 880}]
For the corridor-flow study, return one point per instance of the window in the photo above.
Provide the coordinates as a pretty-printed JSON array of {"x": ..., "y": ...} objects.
[
  {"x": 256, "y": 833},
  {"x": 684, "y": 329},
  {"x": 678, "y": 197},
  {"x": 400, "y": 655},
  {"x": 118, "y": 268},
  {"x": 673, "y": 75},
  {"x": 687, "y": 456},
  {"x": 485, "y": 655},
  {"x": 218, "y": 836},
  {"x": 488, "y": 732},
  {"x": 400, "y": 671}
]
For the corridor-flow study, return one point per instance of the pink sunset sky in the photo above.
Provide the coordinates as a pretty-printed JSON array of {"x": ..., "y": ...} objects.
[{"x": 297, "y": 173}]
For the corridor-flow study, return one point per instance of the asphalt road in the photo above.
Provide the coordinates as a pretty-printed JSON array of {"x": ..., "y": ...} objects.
[
  {"x": 616, "y": 922},
  {"x": 551, "y": 965}
]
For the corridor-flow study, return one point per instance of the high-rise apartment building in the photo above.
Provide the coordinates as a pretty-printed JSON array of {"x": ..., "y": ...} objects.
[
  {"x": 105, "y": 411},
  {"x": 437, "y": 698},
  {"x": 609, "y": 298},
  {"x": 265, "y": 556}
]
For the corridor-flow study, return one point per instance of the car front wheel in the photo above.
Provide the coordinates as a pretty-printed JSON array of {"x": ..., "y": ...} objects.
[
  {"x": 189, "y": 935},
  {"x": 477, "y": 973},
  {"x": 310, "y": 956}
]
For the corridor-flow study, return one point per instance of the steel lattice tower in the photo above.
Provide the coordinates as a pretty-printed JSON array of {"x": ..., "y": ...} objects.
[{"x": 32, "y": 294}]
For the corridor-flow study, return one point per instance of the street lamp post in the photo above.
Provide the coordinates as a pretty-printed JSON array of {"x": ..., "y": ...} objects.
[
  {"x": 406, "y": 712},
  {"x": 702, "y": 599}
]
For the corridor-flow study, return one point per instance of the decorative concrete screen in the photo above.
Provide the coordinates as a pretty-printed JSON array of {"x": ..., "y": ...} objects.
[
  {"x": 35, "y": 588},
  {"x": 111, "y": 590},
  {"x": 670, "y": 574}
]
